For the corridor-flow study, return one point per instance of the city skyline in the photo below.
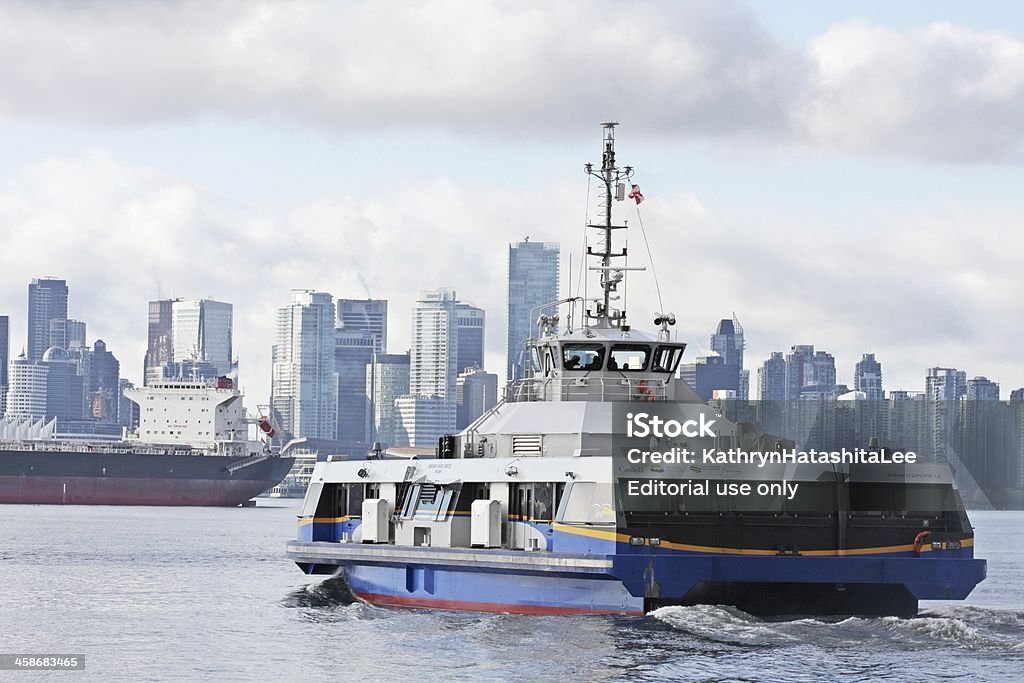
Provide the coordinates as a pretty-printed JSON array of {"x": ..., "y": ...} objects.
[
  {"x": 905, "y": 215},
  {"x": 368, "y": 321}
]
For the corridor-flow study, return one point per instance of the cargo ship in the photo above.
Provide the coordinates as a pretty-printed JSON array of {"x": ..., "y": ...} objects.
[
  {"x": 192, "y": 447},
  {"x": 530, "y": 509}
]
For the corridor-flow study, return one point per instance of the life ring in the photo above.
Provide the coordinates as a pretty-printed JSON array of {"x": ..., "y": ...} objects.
[
  {"x": 919, "y": 541},
  {"x": 646, "y": 393}
]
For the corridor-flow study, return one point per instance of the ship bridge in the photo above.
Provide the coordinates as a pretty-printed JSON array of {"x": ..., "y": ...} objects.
[
  {"x": 601, "y": 364},
  {"x": 563, "y": 407}
]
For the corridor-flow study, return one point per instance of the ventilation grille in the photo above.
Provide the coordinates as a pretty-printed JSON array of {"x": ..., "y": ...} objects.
[{"x": 526, "y": 444}]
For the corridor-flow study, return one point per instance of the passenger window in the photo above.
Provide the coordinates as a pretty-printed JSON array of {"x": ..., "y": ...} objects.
[
  {"x": 582, "y": 356},
  {"x": 629, "y": 357},
  {"x": 588, "y": 503}
]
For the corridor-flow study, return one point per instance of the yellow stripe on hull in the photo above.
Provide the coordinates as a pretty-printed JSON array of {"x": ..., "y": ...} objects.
[{"x": 622, "y": 538}]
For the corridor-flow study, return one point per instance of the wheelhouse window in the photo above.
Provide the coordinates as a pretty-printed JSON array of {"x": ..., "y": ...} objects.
[
  {"x": 582, "y": 356},
  {"x": 534, "y": 360},
  {"x": 629, "y": 357},
  {"x": 666, "y": 358}
]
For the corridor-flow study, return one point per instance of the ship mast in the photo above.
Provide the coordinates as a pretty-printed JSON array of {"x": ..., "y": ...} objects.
[{"x": 613, "y": 177}]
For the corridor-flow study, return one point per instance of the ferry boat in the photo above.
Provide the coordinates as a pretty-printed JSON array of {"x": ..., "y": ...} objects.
[
  {"x": 191, "y": 448},
  {"x": 526, "y": 511}
]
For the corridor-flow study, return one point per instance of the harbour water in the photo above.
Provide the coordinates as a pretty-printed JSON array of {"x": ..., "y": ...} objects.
[{"x": 207, "y": 594}]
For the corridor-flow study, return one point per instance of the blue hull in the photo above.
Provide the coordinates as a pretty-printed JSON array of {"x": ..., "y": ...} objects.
[
  {"x": 453, "y": 589},
  {"x": 635, "y": 580}
]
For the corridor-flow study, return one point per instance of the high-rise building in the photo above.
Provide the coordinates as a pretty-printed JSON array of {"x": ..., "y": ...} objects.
[
  {"x": 727, "y": 341},
  {"x": 362, "y": 328},
  {"x": 532, "y": 282},
  {"x": 26, "y": 391},
  {"x": 867, "y": 377},
  {"x": 824, "y": 365},
  {"x": 771, "y": 378},
  {"x": 387, "y": 378},
  {"x": 160, "y": 349},
  {"x": 304, "y": 389},
  {"x": 809, "y": 373},
  {"x": 47, "y": 300},
  {"x": 103, "y": 386},
  {"x": 982, "y": 389},
  {"x": 201, "y": 330},
  {"x": 1017, "y": 395},
  {"x": 422, "y": 420},
  {"x": 64, "y": 386},
  {"x": 798, "y": 368},
  {"x": 945, "y": 384},
  {"x": 5, "y": 358},
  {"x": 368, "y": 316},
  {"x": 722, "y": 371},
  {"x": 433, "y": 366},
  {"x": 67, "y": 334},
  {"x": 476, "y": 392},
  {"x": 353, "y": 351},
  {"x": 470, "y": 330}
]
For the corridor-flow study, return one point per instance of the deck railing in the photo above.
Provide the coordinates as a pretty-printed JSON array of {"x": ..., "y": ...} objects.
[{"x": 586, "y": 389}]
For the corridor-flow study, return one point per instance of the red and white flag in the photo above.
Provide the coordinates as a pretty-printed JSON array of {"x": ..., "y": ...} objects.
[{"x": 635, "y": 194}]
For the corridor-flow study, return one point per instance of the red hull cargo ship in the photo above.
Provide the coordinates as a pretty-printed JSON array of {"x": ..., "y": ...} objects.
[{"x": 191, "y": 448}]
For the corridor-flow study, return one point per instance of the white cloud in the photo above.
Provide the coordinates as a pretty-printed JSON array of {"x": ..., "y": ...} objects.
[
  {"x": 678, "y": 69},
  {"x": 940, "y": 91}
]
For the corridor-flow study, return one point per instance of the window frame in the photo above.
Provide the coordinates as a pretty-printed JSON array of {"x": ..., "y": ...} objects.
[{"x": 632, "y": 348}]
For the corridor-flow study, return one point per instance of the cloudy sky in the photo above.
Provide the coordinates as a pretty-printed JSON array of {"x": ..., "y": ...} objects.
[{"x": 839, "y": 174}]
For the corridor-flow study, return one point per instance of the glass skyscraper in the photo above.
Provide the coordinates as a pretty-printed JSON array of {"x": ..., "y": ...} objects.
[
  {"x": 47, "y": 301},
  {"x": 532, "y": 282},
  {"x": 304, "y": 389},
  {"x": 201, "y": 331}
]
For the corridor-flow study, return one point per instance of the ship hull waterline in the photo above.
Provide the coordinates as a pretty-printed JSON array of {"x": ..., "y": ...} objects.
[
  {"x": 42, "y": 478},
  {"x": 634, "y": 584}
]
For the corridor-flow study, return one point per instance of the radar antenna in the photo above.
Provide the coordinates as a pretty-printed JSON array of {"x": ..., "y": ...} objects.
[{"x": 611, "y": 276}]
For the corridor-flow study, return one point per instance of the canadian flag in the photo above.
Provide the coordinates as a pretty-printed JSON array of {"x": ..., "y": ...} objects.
[{"x": 635, "y": 194}]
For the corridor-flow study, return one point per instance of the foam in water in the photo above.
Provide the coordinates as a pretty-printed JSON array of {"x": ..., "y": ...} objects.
[{"x": 962, "y": 627}]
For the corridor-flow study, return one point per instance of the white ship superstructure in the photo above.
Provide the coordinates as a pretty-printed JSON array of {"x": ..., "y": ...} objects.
[{"x": 197, "y": 413}]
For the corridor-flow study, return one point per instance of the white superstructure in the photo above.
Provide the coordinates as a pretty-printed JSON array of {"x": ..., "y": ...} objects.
[{"x": 196, "y": 413}]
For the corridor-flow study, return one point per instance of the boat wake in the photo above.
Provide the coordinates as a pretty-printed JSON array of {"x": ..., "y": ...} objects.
[
  {"x": 962, "y": 627},
  {"x": 333, "y": 592}
]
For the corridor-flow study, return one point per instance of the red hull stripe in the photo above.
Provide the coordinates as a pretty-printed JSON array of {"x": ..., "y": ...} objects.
[
  {"x": 467, "y": 606},
  {"x": 125, "y": 491}
]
